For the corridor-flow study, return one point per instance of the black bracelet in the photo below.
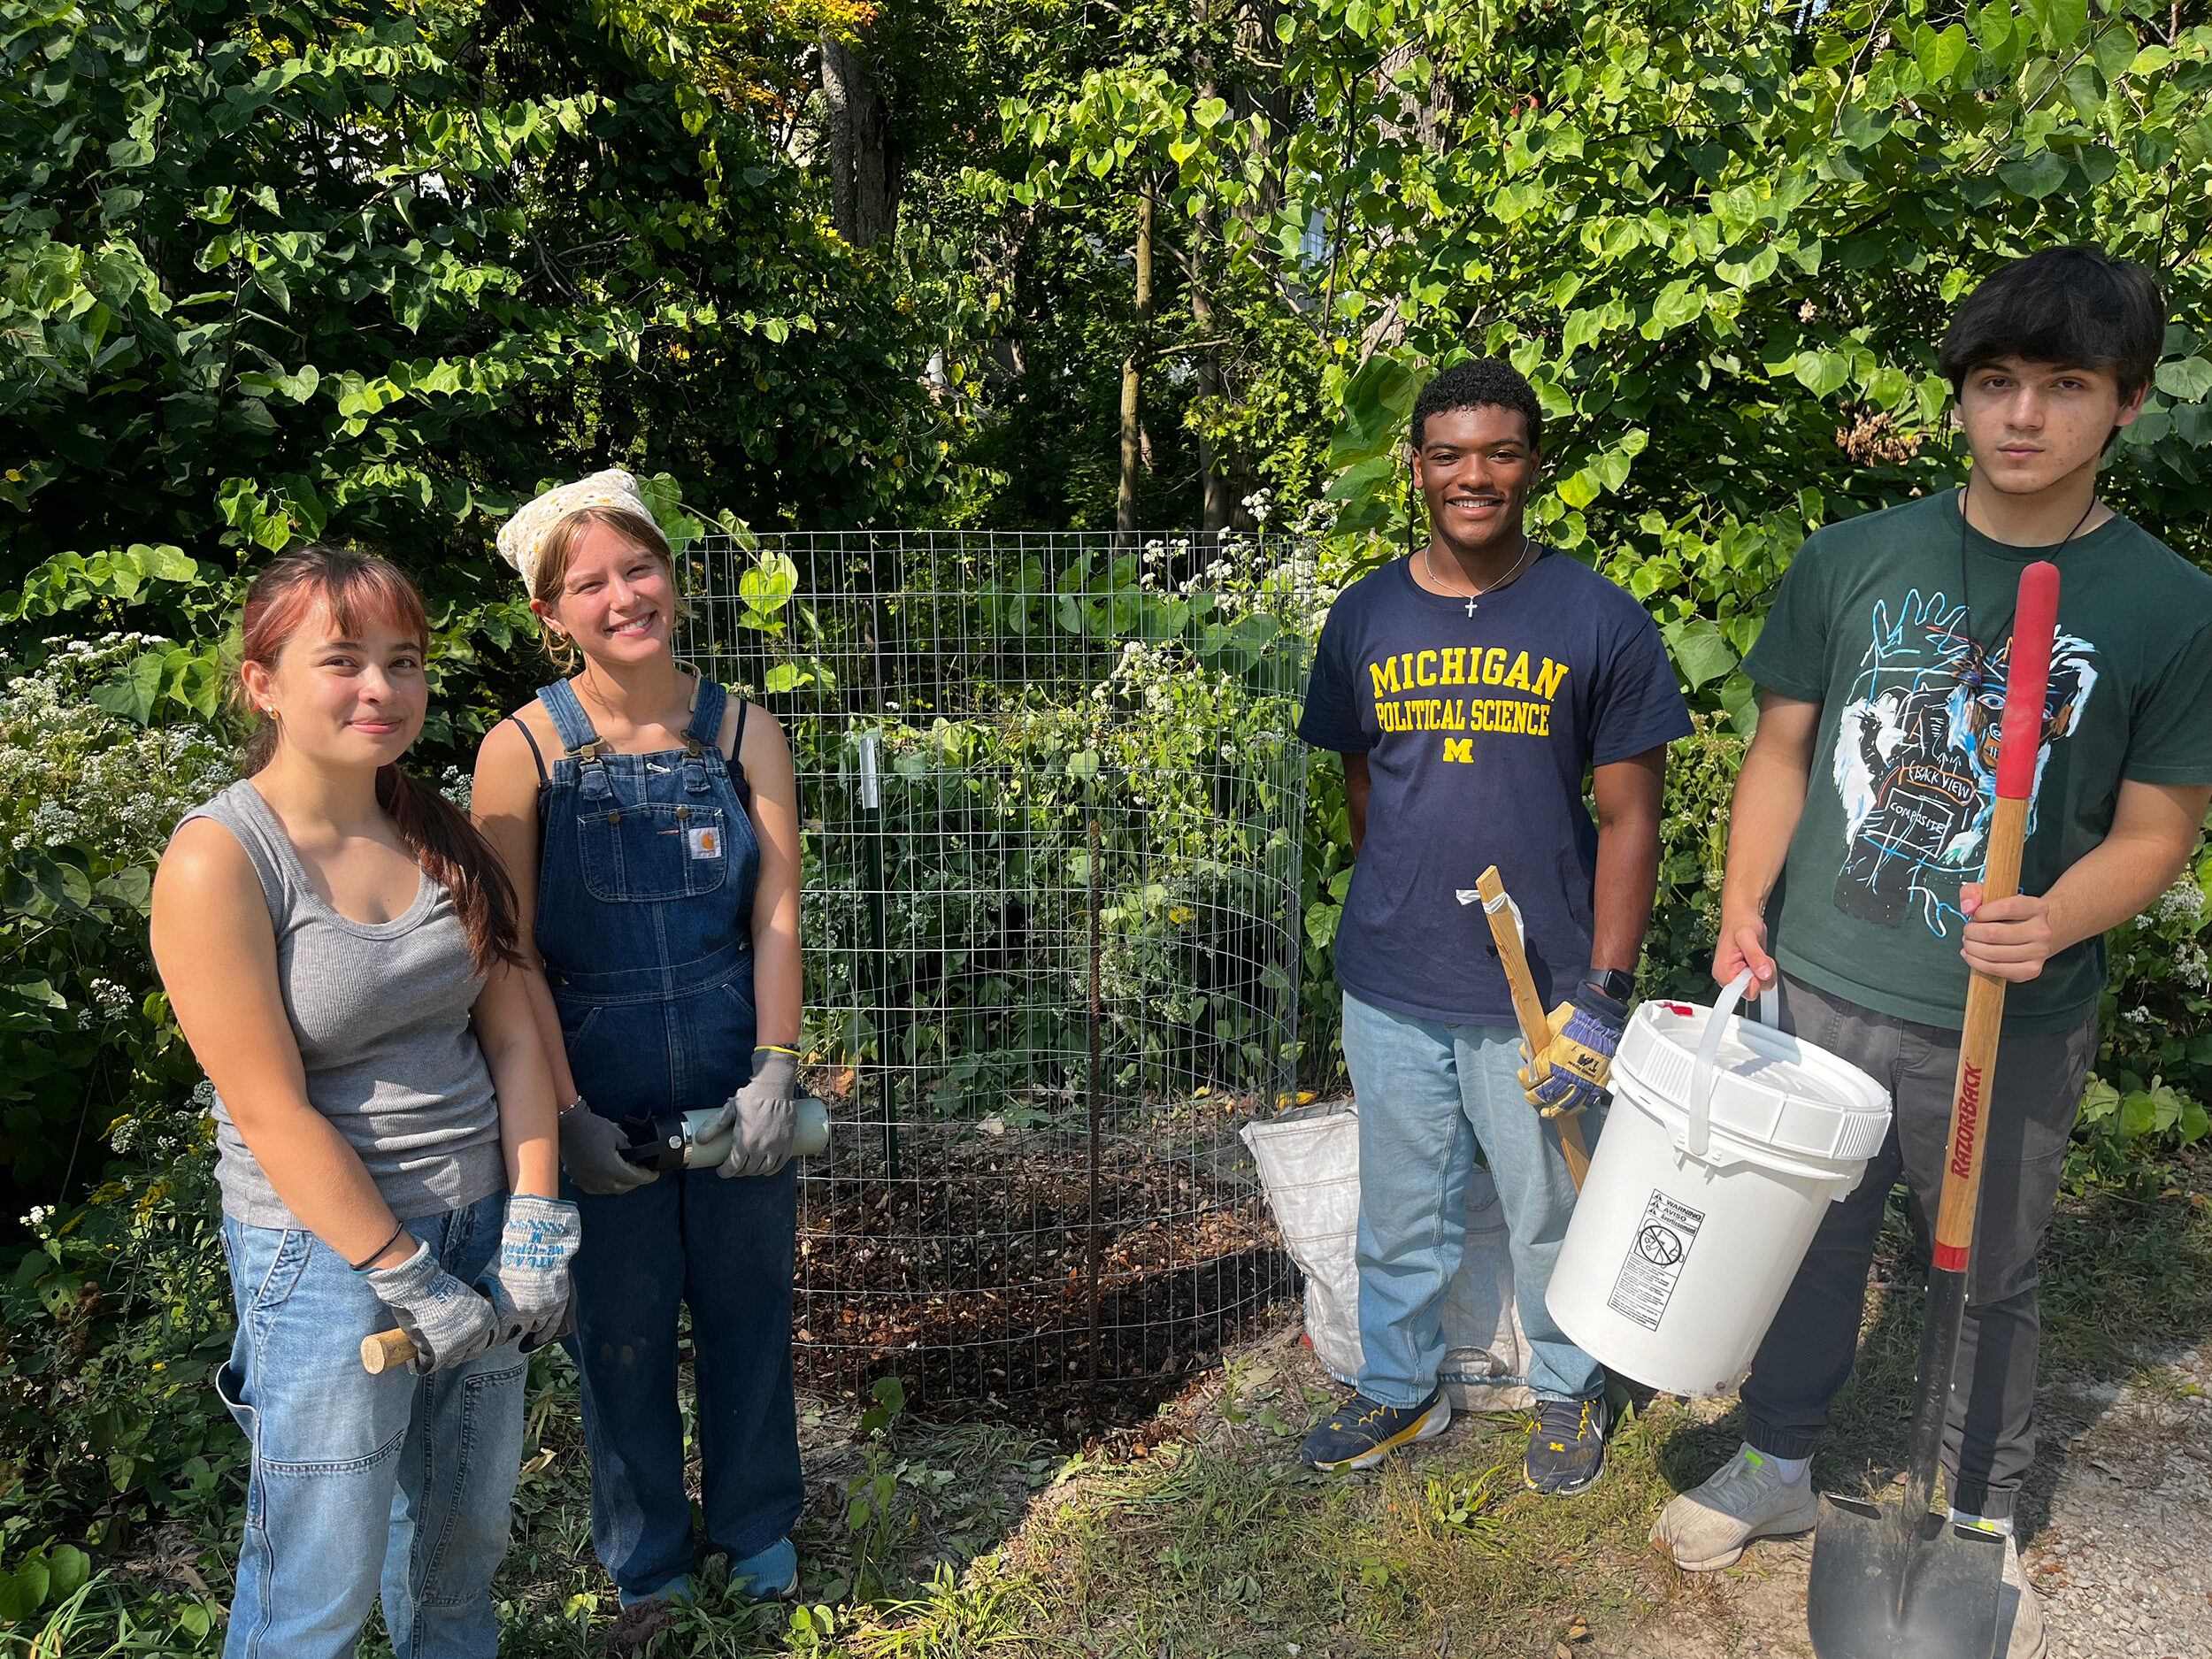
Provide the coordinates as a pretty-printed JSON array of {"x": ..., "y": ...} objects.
[{"x": 362, "y": 1266}]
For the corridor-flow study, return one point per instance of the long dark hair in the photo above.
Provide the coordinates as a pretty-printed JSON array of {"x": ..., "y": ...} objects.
[{"x": 356, "y": 587}]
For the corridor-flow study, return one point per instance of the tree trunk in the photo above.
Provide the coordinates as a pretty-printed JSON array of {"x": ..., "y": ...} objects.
[
  {"x": 1132, "y": 372},
  {"x": 1217, "y": 507},
  {"x": 864, "y": 160}
]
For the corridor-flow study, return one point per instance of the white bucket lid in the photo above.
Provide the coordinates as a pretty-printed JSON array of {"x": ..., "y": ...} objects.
[{"x": 1768, "y": 1089}]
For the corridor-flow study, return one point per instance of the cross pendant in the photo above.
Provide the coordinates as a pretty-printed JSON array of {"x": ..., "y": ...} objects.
[{"x": 1470, "y": 607}]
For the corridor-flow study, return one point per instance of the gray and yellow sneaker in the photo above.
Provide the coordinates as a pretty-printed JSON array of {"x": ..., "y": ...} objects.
[
  {"x": 1566, "y": 1447},
  {"x": 1708, "y": 1526},
  {"x": 1360, "y": 1433},
  {"x": 2019, "y": 1615}
]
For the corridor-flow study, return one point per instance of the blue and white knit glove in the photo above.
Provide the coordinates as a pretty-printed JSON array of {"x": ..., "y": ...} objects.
[
  {"x": 446, "y": 1321},
  {"x": 1577, "y": 1066},
  {"x": 529, "y": 1283}
]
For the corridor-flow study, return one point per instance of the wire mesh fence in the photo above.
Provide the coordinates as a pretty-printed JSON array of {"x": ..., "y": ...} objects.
[{"x": 1052, "y": 799}]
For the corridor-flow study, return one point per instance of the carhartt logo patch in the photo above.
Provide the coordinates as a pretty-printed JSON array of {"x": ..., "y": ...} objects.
[{"x": 706, "y": 841}]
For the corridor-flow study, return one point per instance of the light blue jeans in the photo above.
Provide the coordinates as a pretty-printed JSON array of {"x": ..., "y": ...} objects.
[
  {"x": 1427, "y": 1092},
  {"x": 358, "y": 1482}
]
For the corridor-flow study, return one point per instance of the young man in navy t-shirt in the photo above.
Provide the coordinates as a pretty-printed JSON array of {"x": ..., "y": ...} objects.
[{"x": 1470, "y": 689}]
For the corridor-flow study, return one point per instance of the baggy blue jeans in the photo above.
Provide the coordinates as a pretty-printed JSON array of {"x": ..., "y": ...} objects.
[
  {"x": 357, "y": 1482},
  {"x": 1428, "y": 1091}
]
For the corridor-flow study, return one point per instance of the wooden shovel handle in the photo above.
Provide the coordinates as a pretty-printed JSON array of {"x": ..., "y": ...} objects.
[
  {"x": 2027, "y": 685},
  {"x": 1977, "y": 1055},
  {"x": 1528, "y": 1008},
  {"x": 386, "y": 1350}
]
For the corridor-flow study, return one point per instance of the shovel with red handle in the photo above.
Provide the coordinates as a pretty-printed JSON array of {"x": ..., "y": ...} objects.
[{"x": 1905, "y": 1584}]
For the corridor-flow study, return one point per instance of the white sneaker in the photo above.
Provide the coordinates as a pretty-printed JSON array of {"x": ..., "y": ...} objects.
[
  {"x": 1707, "y": 1528},
  {"x": 2019, "y": 1615}
]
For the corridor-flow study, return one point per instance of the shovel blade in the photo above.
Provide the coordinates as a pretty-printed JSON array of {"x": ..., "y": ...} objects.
[{"x": 1879, "y": 1593}]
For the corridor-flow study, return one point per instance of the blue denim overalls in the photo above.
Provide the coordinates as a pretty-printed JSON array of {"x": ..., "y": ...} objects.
[{"x": 645, "y": 902}]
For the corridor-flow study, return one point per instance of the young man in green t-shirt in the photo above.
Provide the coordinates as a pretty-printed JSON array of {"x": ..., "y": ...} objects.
[{"x": 1859, "y": 829}]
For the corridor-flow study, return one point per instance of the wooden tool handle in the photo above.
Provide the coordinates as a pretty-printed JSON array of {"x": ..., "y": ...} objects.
[
  {"x": 386, "y": 1350},
  {"x": 2027, "y": 684},
  {"x": 1528, "y": 1008}
]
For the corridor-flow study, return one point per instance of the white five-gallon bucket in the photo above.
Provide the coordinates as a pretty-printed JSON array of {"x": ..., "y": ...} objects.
[{"x": 1726, "y": 1142}]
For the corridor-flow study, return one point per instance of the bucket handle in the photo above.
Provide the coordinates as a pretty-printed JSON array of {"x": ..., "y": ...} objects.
[{"x": 1703, "y": 1079}]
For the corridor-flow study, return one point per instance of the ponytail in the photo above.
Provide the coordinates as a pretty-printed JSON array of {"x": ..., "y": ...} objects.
[{"x": 453, "y": 852}]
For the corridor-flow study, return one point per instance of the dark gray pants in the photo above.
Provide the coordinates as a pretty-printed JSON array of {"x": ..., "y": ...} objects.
[{"x": 1989, "y": 1441}]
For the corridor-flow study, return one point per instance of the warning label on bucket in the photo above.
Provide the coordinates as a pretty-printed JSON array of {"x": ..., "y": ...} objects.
[{"x": 1653, "y": 1266}]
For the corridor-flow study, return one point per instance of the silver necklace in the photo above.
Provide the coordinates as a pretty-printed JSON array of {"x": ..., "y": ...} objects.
[{"x": 1429, "y": 564}]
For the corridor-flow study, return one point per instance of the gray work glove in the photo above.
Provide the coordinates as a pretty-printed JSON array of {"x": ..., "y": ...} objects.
[
  {"x": 528, "y": 1283},
  {"x": 446, "y": 1321},
  {"x": 761, "y": 1117},
  {"x": 591, "y": 1147}
]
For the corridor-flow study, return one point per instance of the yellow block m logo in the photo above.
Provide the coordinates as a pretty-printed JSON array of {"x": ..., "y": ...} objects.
[{"x": 1460, "y": 748}]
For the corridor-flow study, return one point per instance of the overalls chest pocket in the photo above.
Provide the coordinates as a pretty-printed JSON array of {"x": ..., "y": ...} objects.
[{"x": 639, "y": 853}]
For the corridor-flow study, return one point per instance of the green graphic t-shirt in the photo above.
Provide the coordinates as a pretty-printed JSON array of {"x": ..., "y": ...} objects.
[{"x": 1871, "y": 623}]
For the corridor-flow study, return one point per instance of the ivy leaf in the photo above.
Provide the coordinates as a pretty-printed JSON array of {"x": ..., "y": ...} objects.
[
  {"x": 1821, "y": 373},
  {"x": 1700, "y": 652},
  {"x": 1941, "y": 55},
  {"x": 2188, "y": 381},
  {"x": 1739, "y": 697},
  {"x": 2099, "y": 1101},
  {"x": 2194, "y": 1123},
  {"x": 2035, "y": 178},
  {"x": 71, "y": 1567},
  {"x": 133, "y": 694}
]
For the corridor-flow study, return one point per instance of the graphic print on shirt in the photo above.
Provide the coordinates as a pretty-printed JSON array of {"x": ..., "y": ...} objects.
[
  {"x": 1915, "y": 759},
  {"x": 1443, "y": 691}
]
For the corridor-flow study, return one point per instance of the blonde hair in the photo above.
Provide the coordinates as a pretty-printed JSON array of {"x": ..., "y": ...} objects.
[{"x": 560, "y": 547}]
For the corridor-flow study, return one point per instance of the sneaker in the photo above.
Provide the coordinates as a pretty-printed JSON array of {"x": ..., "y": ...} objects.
[
  {"x": 1566, "y": 1446},
  {"x": 771, "y": 1575},
  {"x": 1360, "y": 1433},
  {"x": 1707, "y": 1528},
  {"x": 2019, "y": 1615}
]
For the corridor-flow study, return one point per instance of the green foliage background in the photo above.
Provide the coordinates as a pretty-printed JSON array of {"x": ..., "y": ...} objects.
[{"x": 360, "y": 268}]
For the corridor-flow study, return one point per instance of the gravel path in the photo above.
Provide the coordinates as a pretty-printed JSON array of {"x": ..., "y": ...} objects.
[
  {"x": 2124, "y": 1564},
  {"x": 2117, "y": 1520}
]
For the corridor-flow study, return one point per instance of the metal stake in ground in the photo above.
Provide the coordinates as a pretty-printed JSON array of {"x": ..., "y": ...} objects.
[
  {"x": 1910, "y": 1585},
  {"x": 1090, "y": 1247},
  {"x": 887, "y": 1092}
]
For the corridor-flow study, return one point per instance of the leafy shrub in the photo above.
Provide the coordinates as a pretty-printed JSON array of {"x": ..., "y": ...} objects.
[
  {"x": 117, "y": 1315},
  {"x": 2154, "y": 1061},
  {"x": 87, "y": 799}
]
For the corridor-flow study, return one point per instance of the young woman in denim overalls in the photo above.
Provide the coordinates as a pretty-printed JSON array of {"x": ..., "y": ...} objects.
[{"x": 661, "y": 889}]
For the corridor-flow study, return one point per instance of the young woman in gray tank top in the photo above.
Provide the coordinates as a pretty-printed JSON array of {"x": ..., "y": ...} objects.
[{"x": 339, "y": 945}]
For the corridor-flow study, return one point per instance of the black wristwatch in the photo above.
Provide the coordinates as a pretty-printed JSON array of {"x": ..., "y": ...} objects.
[{"x": 1616, "y": 983}]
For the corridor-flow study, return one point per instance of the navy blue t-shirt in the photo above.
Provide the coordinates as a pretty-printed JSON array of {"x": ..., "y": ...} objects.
[{"x": 1478, "y": 731}]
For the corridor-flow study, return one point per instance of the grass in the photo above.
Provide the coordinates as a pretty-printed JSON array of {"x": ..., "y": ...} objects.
[{"x": 1208, "y": 1538}]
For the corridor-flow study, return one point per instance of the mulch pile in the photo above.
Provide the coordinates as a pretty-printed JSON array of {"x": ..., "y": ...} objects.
[{"x": 967, "y": 1277}]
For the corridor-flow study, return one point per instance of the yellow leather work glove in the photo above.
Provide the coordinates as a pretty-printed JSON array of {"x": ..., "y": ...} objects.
[{"x": 1577, "y": 1067}]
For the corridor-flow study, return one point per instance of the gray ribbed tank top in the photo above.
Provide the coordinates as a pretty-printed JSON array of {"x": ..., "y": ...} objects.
[{"x": 380, "y": 1012}]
